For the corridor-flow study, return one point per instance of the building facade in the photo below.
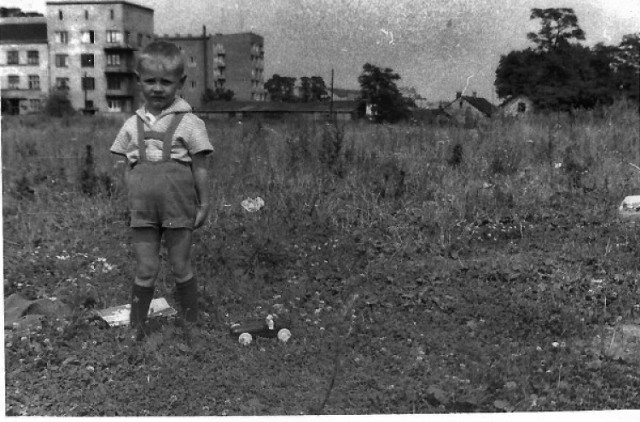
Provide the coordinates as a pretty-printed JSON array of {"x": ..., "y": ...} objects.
[
  {"x": 24, "y": 64},
  {"x": 87, "y": 50},
  {"x": 222, "y": 62},
  {"x": 92, "y": 52}
]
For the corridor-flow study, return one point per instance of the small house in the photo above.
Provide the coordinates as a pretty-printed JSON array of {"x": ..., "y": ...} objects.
[
  {"x": 515, "y": 106},
  {"x": 470, "y": 110}
]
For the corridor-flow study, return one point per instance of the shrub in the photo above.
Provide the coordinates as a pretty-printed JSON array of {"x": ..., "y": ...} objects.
[{"x": 58, "y": 105}]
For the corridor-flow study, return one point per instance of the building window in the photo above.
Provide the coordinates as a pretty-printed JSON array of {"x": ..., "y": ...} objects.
[
  {"x": 114, "y": 37},
  {"x": 14, "y": 81},
  {"x": 127, "y": 37},
  {"x": 113, "y": 59},
  {"x": 522, "y": 107},
  {"x": 193, "y": 84},
  {"x": 88, "y": 83},
  {"x": 86, "y": 60},
  {"x": 62, "y": 83},
  {"x": 60, "y": 16},
  {"x": 34, "y": 82},
  {"x": 62, "y": 37},
  {"x": 62, "y": 60},
  {"x": 12, "y": 57},
  {"x": 33, "y": 57},
  {"x": 113, "y": 83},
  {"x": 111, "y": 14},
  {"x": 88, "y": 37},
  {"x": 139, "y": 40},
  {"x": 86, "y": 14},
  {"x": 35, "y": 104},
  {"x": 114, "y": 105},
  {"x": 88, "y": 105}
]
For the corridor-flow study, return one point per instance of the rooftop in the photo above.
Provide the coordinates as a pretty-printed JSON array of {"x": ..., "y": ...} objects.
[
  {"x": 23, "y": 30},
  {"x": 79, "y": 2}
]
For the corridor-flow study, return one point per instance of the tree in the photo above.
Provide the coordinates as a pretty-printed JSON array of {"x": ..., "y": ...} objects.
[
  {"x": 58, "y": 104},
  {"x": 281, "y": 88},
  {"x": 558, "y": 74},
  {"x": 626, "y": 65},
  {"x": 379, "y": 89},
  {"x": 318, "y": 89},
  {"x": 313, "y": 89},
  {"x": 218, "y": 94},
  {"x": 559, "y": 27},
  {"x": 305, "y": 89}
]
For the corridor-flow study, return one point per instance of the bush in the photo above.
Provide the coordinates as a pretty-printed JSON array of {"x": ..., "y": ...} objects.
[{"x": 58, "y": 105}]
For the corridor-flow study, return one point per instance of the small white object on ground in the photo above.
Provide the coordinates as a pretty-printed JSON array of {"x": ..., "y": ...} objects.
[
  {"x": 245, "y": 339},
  {"x": 630, "y": 208},
  {"x": 284, "y": 335}
]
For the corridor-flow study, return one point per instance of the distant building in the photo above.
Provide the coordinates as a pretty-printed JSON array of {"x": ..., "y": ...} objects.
[
  {"x": 24, "y": 64},
  {"x": 340, "y": 94},
  {"x": 88, "y": 49},
  {"x": 470, "y": 110},
  {"x": 92, "y": 47},
  {"x": 222, "y": 61},
  {"x": 517, "y": 106}
]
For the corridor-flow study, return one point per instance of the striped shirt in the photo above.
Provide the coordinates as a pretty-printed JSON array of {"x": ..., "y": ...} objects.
[{"x": 189, "y": 139}]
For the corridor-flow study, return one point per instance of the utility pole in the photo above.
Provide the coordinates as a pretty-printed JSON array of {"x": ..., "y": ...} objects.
[{"x": 331, "y": 103}]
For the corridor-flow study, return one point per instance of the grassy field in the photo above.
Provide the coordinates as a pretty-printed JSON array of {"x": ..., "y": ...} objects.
[{"x": 424, "y": 269}]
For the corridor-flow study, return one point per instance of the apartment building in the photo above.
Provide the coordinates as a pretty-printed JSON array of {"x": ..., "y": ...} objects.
[
  {"x": 222, "y": 61},
  {"x": 92, "y": 51},
  {"x": 24, "y": 58},
  {"x": 87, "y": 49}
]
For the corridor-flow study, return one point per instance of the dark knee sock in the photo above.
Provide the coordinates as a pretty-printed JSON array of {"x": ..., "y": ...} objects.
[
  {"x": 186, "y": 295},
  {"x": 140, "y": 301}
]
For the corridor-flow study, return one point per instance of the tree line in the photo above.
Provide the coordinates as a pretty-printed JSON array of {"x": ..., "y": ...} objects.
[{"x": 559, "y": 73}]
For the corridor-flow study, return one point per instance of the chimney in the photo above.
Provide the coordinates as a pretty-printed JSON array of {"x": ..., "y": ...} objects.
[
  {"x": 475, "y": 94},
  {"x": 458, "y": 94}
]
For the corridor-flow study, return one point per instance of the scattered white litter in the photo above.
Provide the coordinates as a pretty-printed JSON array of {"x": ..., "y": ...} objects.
[{"x": 119, "y": 315}]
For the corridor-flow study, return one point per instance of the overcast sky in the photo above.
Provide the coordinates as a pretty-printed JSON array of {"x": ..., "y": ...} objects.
[{"x": 437, "y": 46}]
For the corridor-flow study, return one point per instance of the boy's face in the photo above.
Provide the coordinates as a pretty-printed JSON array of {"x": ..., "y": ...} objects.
[{"x": 159, "y": 83}]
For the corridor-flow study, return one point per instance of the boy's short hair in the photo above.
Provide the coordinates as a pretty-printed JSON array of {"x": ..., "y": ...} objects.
[{"x": 165, "y": 53}]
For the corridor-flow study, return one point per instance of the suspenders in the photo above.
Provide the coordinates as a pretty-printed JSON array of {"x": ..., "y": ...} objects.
[{"x": 167, "y": 137}]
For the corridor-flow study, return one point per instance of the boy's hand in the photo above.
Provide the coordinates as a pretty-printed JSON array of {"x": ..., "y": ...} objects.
[{"x": 201, "y": 215}]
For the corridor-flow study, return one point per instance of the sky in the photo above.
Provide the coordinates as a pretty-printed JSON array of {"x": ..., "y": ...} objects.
[{"x": 438, "y": 47}]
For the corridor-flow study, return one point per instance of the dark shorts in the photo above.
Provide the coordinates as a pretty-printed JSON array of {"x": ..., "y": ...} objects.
[{"x": 162, "y": 194}]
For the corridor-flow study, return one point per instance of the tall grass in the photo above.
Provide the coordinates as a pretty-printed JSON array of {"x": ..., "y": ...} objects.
[{"x": 408, "y": 181}]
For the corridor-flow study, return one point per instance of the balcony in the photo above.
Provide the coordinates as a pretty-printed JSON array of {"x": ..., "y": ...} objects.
[
  {"x": 218, "y": 49},
  {"x": 219, "y": 62},
  {"x": 121, "y": 46},
  {"x": 123, "y": 69}
]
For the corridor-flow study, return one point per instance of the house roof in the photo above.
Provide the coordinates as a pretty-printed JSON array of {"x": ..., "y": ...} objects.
[
  {"x": 279, "y": 107},
  {"x": 23, "y": 33},
  {"x": 481, "y": 104},
  {"x": 513, "y": 98}
]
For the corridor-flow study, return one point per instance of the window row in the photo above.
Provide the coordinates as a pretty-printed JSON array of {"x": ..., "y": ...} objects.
[
  {"x": 33, "y": 57},
  {"x": 87, "y": 60},
  {"x": 90, "y": 37},
  {"x": 33, "y": 82},
  {"x": 86, "y": 14},
  {"x": 87, "y": 83}
]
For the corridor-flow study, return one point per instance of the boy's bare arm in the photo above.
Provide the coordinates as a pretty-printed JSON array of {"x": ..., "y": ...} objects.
[{"x": 201, "y": 178}]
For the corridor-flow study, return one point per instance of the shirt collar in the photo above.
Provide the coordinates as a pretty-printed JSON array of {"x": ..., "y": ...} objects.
[{"x": 178, "y": 106}]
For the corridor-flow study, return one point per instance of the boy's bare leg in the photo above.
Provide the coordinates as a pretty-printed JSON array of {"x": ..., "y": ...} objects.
[
  {"x": 146, "y": 247},
  {"x": 179, "y": 250}
]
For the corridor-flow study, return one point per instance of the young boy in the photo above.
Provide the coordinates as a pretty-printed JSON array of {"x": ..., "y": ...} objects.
[{"x": 165, "y": 146}]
